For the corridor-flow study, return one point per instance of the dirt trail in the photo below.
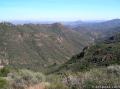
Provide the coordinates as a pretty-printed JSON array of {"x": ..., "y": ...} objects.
[{"x": 38, "y": 86}]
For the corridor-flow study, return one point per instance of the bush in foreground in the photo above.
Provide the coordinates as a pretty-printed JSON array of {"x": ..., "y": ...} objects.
[{"x": 3, "y": 83}]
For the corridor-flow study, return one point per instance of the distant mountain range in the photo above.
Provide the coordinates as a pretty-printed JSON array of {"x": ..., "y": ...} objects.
[
  {"x": 69, "y": 23},
  {"x": 94, "y": 22},
  {"x": 99, "y": 29}
]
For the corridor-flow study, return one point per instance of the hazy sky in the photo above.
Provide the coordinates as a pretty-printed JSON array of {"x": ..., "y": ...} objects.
[{"x": 59, "y": 10}]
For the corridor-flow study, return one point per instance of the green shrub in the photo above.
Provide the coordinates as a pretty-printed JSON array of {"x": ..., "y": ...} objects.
[
  {"x": 3, "y": 83},
  {"x": 32, "y": 77},
  {"x": 89, "y": 84},
  {"x": 24, "y": 78},
  {"x": 4, "y": 71}
]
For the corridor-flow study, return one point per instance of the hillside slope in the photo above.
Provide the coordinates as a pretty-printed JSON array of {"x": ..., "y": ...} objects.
[
  {"x": 38, "y": 46},
  {"x": 101, "y": 54}
]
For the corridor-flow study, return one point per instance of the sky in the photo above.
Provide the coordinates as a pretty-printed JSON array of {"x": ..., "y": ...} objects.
[{"x": 59, "y": 10}]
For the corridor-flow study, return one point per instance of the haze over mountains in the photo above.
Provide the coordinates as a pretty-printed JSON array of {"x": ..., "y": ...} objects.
[{"x": 72, "y": 23}]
